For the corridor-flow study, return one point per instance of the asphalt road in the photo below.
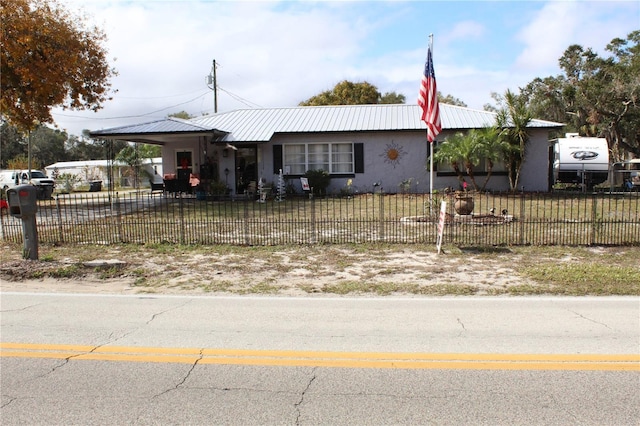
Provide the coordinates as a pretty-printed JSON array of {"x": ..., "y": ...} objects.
[{"x": 89, "y": 359}]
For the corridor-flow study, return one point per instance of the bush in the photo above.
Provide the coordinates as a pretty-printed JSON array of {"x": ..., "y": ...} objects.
[
  {"x": 67, "y": 182},
  {"x": 319, "y": 181}
]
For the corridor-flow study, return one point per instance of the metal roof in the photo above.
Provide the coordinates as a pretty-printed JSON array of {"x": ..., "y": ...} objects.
[
  {"x": 165, "y": 125},
  {"x": 157, "y": 131},
  {"x": 259, "y": 125}
]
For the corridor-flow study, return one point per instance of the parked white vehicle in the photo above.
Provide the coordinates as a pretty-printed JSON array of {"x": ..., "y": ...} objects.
[
  {"x": 12, "y": 178},
  {"x": 581, "y": 160}
]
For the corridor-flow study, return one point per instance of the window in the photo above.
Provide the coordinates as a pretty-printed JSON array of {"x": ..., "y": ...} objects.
[{"x": 336, "y": 158}]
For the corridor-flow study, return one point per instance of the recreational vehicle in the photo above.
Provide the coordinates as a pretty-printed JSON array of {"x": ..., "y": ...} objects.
[{"x": 581, "y": 160}]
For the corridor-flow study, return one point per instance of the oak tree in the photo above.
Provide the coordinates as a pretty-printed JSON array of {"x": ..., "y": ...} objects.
[
  {"x": 49, "y": 58},
  {"x": 346, "y": 93},
  {"x": 595, "y": 95}
]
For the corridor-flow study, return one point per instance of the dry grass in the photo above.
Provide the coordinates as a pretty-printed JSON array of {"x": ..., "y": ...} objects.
[{"x": 359, "y": 269}]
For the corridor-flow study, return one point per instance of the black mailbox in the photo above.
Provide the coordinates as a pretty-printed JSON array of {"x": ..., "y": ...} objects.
[{"x": 22, "y": 201}]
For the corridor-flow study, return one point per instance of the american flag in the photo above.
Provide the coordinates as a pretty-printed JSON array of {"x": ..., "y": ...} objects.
[{"x": 428, "y": 100}]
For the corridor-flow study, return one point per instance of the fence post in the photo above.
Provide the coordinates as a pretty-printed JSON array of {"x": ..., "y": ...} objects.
[
  {"x": 59, "y": 218},
  {"x": 118, "y": 217},
  {"x": 523, "y": 216},
  {"x": 594, "y": 218},
  {"x": 314, "y": 238},
  {"x": 181, "y": 217},
  {"x": 381, "y": 222},
  {"x": 247, "y": 239},
  {"x": 3, "y": 233}
]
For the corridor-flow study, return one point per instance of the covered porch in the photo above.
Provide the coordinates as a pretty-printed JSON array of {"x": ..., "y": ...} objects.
[{"x": 195, "y": 159}]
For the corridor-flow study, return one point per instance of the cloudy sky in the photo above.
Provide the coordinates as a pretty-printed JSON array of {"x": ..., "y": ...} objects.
[{"x": 277, "y": 54}]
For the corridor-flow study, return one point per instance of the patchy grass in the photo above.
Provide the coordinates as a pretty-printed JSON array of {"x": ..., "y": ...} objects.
[
  {"x": 586, "y": 278},
  {"x": 70, "y": 271},
  {"x": 358, "y": 269}
]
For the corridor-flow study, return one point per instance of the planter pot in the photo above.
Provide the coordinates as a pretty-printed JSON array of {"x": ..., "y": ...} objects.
[{"x": 463, "y": 205}]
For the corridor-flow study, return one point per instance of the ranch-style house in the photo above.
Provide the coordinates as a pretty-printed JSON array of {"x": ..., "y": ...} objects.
[{"x": 360, "y": 145}]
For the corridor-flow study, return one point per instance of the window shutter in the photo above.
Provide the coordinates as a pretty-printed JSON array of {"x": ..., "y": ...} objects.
[
  {"x": 277, "y": 159},
  {"x": 358, "y": 157}
]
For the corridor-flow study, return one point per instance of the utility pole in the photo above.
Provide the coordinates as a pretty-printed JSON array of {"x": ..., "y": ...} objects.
[{"x": 213, "y": 85}]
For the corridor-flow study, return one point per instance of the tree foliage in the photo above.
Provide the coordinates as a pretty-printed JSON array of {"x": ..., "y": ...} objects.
[
  {"x": 346, "y": 93},
  {"x": 49, "y": 146},
  {"x": 349, "y": 93},
  {"x": 513, "y": 118},
  {"x": 392, "y": 98},
  {"x": 48, "y": 59},
  {"x": 182, "y": 114},
  {"x": 465, "y": 151},
  {"x": 595, "y": 96},
  {"x": 86, "y": 148},
  {"x": 450, "y": 100},
  {"x": 133, "y": 156}
]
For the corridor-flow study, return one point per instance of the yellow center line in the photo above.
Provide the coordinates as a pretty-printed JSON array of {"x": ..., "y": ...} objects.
[{"x": 290, "y": 358}]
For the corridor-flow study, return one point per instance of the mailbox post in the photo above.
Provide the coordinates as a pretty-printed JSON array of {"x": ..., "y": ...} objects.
[{"x": 23, "y": 204}]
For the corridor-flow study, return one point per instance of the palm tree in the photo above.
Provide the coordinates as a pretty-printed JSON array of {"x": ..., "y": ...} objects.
[
  {"x": 461, "y": 149},
  {"x": 130, "y": 155},
  {"x": 448, "y": 152},
  {"x": 513, "y": 119},
  {"x": 492, "y": 148}
]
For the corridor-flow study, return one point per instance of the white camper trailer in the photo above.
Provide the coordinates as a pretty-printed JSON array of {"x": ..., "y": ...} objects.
[{"x": 581, "y": 160}]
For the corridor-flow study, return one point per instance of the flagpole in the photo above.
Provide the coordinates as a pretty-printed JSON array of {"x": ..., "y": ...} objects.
[{"x": 430, "y": 147}]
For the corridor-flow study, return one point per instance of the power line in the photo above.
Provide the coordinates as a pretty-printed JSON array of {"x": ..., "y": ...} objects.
[
  {"x": 158, "y": 97},
  {"x": 136, "y": 115},
  {"x": 240, "y": 99},
  {"x": 215, "y": 87}
]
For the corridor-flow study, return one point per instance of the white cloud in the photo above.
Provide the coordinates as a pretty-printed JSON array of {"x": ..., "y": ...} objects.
[
  {"x": 268, "y": 55},
  {"x": 547, "y": 36},
  {"x": 465, "y": 30},
  {"x": 280, "y": 53},
  {"x": 560, "y": 24}
]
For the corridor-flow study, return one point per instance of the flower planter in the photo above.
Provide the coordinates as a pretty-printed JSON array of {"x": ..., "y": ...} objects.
[{"x": 463, "y": 204}]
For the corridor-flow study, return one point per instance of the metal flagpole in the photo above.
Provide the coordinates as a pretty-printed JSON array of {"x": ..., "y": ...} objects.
[{"x": 430, "y": 147}]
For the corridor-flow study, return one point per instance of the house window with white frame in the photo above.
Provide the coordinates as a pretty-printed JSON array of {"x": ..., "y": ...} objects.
[{"x": 334, "y": 157}]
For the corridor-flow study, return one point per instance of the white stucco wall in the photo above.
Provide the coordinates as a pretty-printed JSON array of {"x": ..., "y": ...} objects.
[
  {"x": 378, "y": 167},
  {"x": 535, "y": 169},
  {"x": 411, "y": 162}
]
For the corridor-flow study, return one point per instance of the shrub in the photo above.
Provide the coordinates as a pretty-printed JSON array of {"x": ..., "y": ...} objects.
[
  {"x": 319, "y": 181},
  {"x": 67, "y": 182}
]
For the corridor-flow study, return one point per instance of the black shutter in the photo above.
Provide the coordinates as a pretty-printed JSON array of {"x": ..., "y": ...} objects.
[
  {"x": 277, "y": 159},
  {"x": 358, "y": 157}
]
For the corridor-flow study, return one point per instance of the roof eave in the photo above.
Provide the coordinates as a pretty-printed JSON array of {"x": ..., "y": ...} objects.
[{"x": 158, "y": 138}]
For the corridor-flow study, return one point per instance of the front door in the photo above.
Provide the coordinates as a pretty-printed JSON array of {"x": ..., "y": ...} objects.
[
  {"x": 184, "y": 164},
  {"x": 246, "y": 168}
]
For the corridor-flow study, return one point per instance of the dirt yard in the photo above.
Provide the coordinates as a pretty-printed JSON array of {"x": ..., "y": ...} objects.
[{"x": 296, "y": 271}]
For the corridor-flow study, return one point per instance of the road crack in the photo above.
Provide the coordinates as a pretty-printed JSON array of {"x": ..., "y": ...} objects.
[
  {"x": 10, "y": 399},
  {"x": 21, "y": 309},
  {"x": 302, "y": 395},
  {"x": 589, "y": 319},
  {"x": 156, "y": 315},
  {"x": 185, "y": 378},
  {"x": 464, "y": 329}
]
